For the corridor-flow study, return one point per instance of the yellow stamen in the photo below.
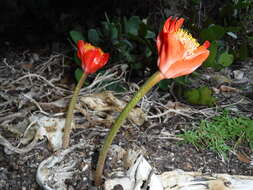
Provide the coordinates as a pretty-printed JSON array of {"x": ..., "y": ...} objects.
[
  {"x": 188, "y": 41},
  {"x": 88, "y": 47}
]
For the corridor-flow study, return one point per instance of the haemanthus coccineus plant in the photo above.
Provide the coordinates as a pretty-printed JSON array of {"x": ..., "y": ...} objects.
[
  {"x": 179, "y": 54},
  {"x": 92, "y": 59}
]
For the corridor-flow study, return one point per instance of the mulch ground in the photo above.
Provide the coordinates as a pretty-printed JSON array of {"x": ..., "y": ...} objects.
[{"x": 31, "y": 80}]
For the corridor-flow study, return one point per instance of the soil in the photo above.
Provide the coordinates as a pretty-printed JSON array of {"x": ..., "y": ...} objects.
[{"x": 155, "y": 138}]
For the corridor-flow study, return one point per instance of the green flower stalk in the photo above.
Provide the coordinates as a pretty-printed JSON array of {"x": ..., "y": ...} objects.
[
  {"x": 154, "y": 79},
  {"x": 179, "y": 54},
  {"x": 92, "y": 58},
  {"x": 67, "y": 128}
]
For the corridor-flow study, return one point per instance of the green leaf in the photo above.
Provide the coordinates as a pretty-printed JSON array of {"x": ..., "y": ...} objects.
[
  {"x": 75, "y": 36},
  {"x": 196, "y": 1},
  {"x": 148, "y": 52},
  {"x": 192, "y": 96},
  {"x": 110, "y": 30},
  {"x": 211, "y": 60},
  {"x": 183, "y": 80},
  {"x": 233, "y": 29},
  {"x": 200, "y": 96},
  {"x": 164, "y": 84},
  {"x": 113, "y": 32},
  {"x": 243, "y": 51},
  {"x": 250, "y": 38},
  {"x": 106, "y": 28},
  {"x": 116, "y": 87},
  {"x": 225, "y": 59},
  {"x": 76, "y": 59},
  {"x": 136, "y": 66},
  {"x": 93, "y": 36},
  {"x": 213, "y": 32},
  {"x": 136, "y": 38},
  {"x": 132, "y": 25},
  {"x": 126, "y": 44},
  {"x": 78, "y": 74},
  {"x": 142, "y": 32},
  {"x": 128, "y": 56},
  {"x": 150, "y": 35},
  {"x": 206, "y": 97}
]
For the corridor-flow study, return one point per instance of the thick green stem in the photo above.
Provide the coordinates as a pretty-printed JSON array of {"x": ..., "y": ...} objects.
[
  {"x": 67, "y": 127},
  {"x": 154, "y": 79}
]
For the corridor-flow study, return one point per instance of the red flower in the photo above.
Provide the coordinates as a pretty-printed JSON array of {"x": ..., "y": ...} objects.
[
  {"x": 179, "y": 53},
  {"x": 92, "y": 58}
]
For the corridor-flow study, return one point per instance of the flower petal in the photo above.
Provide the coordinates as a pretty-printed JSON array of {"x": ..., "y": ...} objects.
[
  {"x": 81, "y": 48},
  {"x": 94, "y": 60},
  {"x": 159, "y": 41},
  {"x": 171, "y": 51},
  {"x": 105, "y": 58},
  {"x": 166, "y": 27},
  {"x": 187, "y": 66},
  {"x": 178, "y": 24}
]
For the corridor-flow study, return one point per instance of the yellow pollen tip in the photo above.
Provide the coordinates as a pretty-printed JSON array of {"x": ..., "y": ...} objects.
[
  {"x": 187, "y": 40},
  {"x": 88, "y": 47}
]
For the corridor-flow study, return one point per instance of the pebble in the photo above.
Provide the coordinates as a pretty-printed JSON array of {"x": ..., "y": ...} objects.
[{"x": 238, "y": 75}]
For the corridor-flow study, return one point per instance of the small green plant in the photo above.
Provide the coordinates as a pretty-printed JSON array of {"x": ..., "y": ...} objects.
[
  {"x": 220, "y": 57},
  {"x": 201, "y": 96},
  {"x": 222, "y": 134},
  {"x": 130, "y": 40},
  {"x": 227, "y": 30}
]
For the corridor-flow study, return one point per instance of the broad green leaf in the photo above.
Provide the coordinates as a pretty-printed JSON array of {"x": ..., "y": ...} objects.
[
  {"x": 110, "y": 30},
  {"x": 132, "y": 25},
  {"x": 150, "y": 35},
  {"x": 78, "y": 74},
  {"x": 200, "y": 96},
  {"x": 76, "y": 59},
  {"x": 206, "y": 97},
  {"x": 76, "y": 35},
  {"x": 106, "y": 29},
  {"x": 192, "y": 96},
  {"x": 225, "y": 59},
  {"x": 136, "y": 38},
  {"x": 183, "y": 80},
  {"x": 113, "y": 32},
  {"x": 148, "y": 52},
  {"x": 213, "y": 32},
  {"x": 211, "y": 60},
  {"x": 128, "y": 56},
  {"x": 93, "y": 36},
  {"x": 164, "y": 84}
]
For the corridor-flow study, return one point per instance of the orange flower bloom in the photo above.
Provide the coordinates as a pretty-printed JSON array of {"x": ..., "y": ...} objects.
[
  {"x": 92, "y": 58},
  {"x": 179, "y": 53}
]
